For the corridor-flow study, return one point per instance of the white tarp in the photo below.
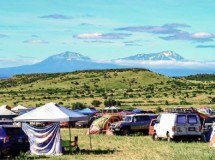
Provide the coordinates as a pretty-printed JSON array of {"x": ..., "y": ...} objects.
[
  {"x": 44, "y": 140},
  {"x": 50, "y": 112},
  {"x": 19, "y": 108}
]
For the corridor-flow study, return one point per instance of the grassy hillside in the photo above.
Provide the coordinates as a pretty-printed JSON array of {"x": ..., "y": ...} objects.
[
  {"x": 137, "y": 88},
  {"x": 201, "y": 77}
]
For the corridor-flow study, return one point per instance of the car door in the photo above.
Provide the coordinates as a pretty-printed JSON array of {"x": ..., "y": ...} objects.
[
  {"x": 193, "y": 125},
  {"x": 181, "y": 124},
  {"x": 137, "y": 123}
]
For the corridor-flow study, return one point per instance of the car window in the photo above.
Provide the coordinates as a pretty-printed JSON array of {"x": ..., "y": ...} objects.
[
  {"x": 14, "y": 131},
  {"x": 152, "y": 117},
  {"x": 192, "y": 119},
  {"x": 145, "y": 118},
  {"x": 128, "y": 119},
  {"x": 181, "y": 119}
]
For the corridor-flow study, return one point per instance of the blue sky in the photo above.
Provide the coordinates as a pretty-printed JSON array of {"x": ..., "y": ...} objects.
[{"x": 32, "y": 30}]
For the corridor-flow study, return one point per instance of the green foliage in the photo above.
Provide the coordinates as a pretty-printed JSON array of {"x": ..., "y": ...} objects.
[
  {"x": 96, "y": 103},
  {"x": 111, "y": 102},
  {"x": 158, "y": 109},
  {"x": 78, "y": 105}
]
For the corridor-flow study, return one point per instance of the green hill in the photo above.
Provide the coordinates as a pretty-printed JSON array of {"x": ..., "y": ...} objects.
[{"x": 131, "y": 87}]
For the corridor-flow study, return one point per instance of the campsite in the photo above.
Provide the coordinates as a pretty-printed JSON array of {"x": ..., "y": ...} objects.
[{"x": 99, "y": 141}]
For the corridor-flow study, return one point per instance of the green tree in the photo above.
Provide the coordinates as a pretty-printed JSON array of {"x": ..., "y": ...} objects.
[
  {"x": 78, "y": 105},
  {"x": 96, "y": 103}
]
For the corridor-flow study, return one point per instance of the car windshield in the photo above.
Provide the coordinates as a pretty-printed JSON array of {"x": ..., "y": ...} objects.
[
  {"x": 14, "y": 131},
  {"x": 128, "y": 119}
]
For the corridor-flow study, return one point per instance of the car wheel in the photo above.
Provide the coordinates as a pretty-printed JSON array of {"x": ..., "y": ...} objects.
[
  {"x": 126, "y": 131},
  {"x": 156, "y": 138}
]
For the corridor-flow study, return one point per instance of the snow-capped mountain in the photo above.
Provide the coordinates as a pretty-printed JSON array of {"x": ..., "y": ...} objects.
[
  {"x": 63, "y": 62},
  {"x": 68, "y": 56},
  {"x": 161, "y": 56}
]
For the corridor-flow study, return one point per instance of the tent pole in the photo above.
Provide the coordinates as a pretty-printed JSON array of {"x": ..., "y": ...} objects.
[
  {"x": 89, "y": 133},
  {"x": 69, "y": 134}
]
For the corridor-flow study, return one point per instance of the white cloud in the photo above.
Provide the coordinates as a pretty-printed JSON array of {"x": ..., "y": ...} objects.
[
  {"x": 36, "y": 41},
  {"x": 202, "y": 35},
  {"x": 12, "y": 62},
  {"x": 89, "y": 35},
  {"x": 165, "y": 64}
]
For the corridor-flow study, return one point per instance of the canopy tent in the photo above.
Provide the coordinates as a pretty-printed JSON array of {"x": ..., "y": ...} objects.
[
  {"x": 112, "y": 108},
  {"x": 88, "y": 111},
  {"x": 50, "y": 112},
  {"x": 19, "y": 108},
  {"x": 6, "y": 113},
  {"x": 6, "y": 106},
  {"x": 137, "y": 111}
]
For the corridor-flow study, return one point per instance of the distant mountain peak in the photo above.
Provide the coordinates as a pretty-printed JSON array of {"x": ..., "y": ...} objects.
[
  {"x": 68, "y": 56},
  {"x": 164, "y": 55}
]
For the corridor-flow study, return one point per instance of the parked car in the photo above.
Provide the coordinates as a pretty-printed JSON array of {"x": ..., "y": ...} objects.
[
  {"x": 151, "y": 128},
  {"x": 133, "y": 123},
  {"x": 86, "y": 124},
  {"x": 176, "y": 126},
  {"x": 12, "y": 140}
]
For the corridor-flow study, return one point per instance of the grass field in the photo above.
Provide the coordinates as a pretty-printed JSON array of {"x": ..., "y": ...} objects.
[{"x": 134, "y": 147}]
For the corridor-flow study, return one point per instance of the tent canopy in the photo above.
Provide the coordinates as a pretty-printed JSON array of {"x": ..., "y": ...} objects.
[
  {"x": 112, "y": 108},
  {"x": 19, "y": 107},
  {"x": 88, "y": 111},
  {"x": 6, "y": 112},
  {"x": 50, "y": 112},
  {"x": 137, "y": 111}
]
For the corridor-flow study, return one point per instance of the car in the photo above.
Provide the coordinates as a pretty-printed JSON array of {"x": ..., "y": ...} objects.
[
  {"x": 86, "y": 124},
  {"x": 12, "y": 140},
  {"x": 133, "y": 123},
  {"x": 177, "y": 126}
]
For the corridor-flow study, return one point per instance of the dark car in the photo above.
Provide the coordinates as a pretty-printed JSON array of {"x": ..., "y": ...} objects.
[
  {"x": 133, "y": 123},
  {"x": 86, "y": 124},
  {"x": 12, "y": 140}
]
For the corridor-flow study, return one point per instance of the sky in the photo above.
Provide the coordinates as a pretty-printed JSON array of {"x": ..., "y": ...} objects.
[{"x": 32, "y": 30}]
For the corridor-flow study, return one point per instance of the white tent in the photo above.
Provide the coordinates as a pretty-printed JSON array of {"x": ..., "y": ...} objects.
[
  {"x": 19, "y": 108},
  {"x": 50, "y": 112},
  {"x": 112, "y": 108},
  {"x": 6, "y": 112}
]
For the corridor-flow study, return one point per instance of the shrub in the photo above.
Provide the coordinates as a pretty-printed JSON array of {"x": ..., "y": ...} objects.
[{"x": 96, "y": 103}]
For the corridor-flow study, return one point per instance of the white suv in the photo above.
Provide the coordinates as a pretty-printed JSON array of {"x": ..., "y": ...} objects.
[{"x": 178, "y": 126}]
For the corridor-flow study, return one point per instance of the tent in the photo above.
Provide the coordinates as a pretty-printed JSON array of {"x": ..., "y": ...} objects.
[
  {"x": 19, "y": 108},
  {"x": 137, "y": 111},
  {"x": 103, "y": 123},
  {"x": 50, "y": 112},
  {"x": 46, "y": 140},
  {"x": 6, "y": 113},
  {"x": 88, "y": 111}
]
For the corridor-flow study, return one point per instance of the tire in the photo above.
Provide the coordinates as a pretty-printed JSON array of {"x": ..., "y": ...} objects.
[
  {"x": 125, "y": 131},
  {"x": 156, "y": 138}
]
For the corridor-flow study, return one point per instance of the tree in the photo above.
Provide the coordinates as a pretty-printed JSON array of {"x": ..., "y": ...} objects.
[
  {"x": 111, "y": 102},
  {"x": 158, "y": 110},
  {"x": 96, "y": 103},
  {"x": 78, "y": 105}
]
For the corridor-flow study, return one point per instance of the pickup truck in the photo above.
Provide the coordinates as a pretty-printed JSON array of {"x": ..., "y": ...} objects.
[{"x": 133, "y": 123}]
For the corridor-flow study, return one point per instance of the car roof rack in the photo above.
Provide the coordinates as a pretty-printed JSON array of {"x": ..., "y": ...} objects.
[{"x": 178, "y": 110}]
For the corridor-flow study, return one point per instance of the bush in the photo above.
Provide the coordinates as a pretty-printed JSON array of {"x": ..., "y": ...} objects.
[
  {"x": 158, "y": 110},
  {"x": 96, "y": 103},
  {"x": 78, "y": 105}
]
